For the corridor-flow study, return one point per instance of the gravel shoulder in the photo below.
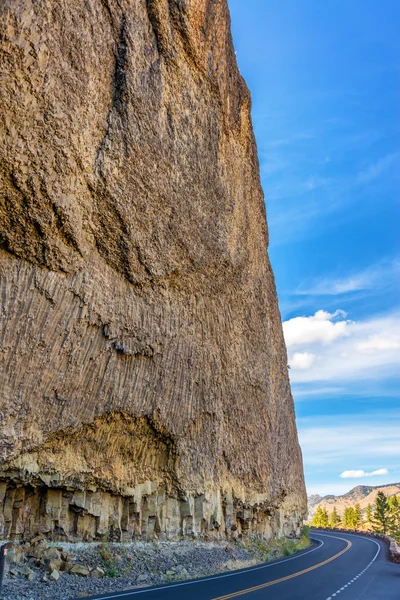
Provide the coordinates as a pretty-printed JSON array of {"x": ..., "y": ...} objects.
[{"x": 66, "y": 571}]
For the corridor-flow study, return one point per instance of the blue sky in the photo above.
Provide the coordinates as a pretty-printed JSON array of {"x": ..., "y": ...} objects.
[{"x": 325, "y": 84}]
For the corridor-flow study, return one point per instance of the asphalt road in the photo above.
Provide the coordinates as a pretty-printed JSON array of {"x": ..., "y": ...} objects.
[{"x": 342, "y": 567}]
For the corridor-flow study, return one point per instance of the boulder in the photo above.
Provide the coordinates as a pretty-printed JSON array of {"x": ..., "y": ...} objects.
[
  {"x": 80, "y": 570},
  {"x": 52, "y": 565},
  {"x": 66, "y": 566},
  {"x": 54, "y": 575},
  {"x": 29, "y": 573}
]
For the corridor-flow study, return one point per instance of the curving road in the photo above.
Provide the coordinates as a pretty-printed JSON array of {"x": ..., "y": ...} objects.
[{"x": 341, "y": 567}]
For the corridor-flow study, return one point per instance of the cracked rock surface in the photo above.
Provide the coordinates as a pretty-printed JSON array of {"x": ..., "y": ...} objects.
[{"x": 143, "y": 373}]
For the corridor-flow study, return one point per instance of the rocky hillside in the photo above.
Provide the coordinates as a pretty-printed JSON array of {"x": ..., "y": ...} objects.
[
  {"x": 361, "y": 494},
  {"x": 144, "y": 386}
]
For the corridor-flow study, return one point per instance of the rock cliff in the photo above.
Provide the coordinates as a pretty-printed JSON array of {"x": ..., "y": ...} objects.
[{"x": 144, "y": 387}]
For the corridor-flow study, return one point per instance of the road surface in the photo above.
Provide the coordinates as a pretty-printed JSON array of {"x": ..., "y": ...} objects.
[{"x": 341, "y": 567}]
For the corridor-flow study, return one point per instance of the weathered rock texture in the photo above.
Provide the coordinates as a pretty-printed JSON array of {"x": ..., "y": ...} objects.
[{"x": 144, "y": 386}]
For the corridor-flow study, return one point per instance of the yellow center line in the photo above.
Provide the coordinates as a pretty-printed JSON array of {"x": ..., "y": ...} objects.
[{"x": 265, "y": 585}]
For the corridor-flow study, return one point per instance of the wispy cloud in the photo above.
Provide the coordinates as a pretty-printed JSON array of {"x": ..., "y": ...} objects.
[
  {"x": 369, "y": 439},
  {"x": 380, "y": 275},
  {"x": 330, "y": 442},
  {"x": 358, "y": 389},
  {"x": 357, "y": 474},
  {"x": 388, "y": 341},
  {"x": 320, "y": 391},
  {"x": 377, "y": 169},
  {"x": 310, "y": 193}
]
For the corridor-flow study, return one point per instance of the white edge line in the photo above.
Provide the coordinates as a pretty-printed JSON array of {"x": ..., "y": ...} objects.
[
  {"x": 357, "y": 536},
  {"x": 193, "y": 581}
]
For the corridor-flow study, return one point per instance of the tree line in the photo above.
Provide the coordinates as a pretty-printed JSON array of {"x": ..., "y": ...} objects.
[{"x": 382, "y": 517}]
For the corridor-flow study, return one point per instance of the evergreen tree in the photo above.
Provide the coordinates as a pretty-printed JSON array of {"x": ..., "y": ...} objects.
[
  {"x": 368, "y": 513},
  {"x": 317, "y": 519},
  {"x": 382, "y": 520},
  {"x": 394, "y": 504},
  {"x": 356, "y": 516},
  {"x": 334, "y": 518},
  {"x": 348, "y": 517},
  {"x": 325, "y": 518},
  {"x": 394, "y": 508}
]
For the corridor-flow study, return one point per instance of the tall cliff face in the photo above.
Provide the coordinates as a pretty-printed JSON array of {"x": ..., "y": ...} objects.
[{"x": 144, "y": 386}]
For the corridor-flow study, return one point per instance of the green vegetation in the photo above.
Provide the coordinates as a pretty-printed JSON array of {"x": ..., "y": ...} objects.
[
  {"x": 109, "y": 562},
  {"x": 368, "y": 513},
  {"x": 352, "y": 517},
  {"x": 321, "y": 518},
  {"x": 334, "y": 518},
  {"x": 266, "y": 550},
  {"x": 383, "y": 517}
]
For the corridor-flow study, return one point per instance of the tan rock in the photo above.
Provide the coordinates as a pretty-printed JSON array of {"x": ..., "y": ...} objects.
[
  {"x": 29, "y": 573},
  {"x": 67, "y": 556},
  {"x": 52, "y": 565},
  {"x": 80, "y": 570},
  {"x": 66, "y": 566},
  {"x": 37, "y": 539},
  {"x": 97, "y": 573},
  {"x": 54, "y": 575},
  {"x": 50, "y": 559},
  {"x": 143, "y": 384},
  {"x": 16, "y": 556}
]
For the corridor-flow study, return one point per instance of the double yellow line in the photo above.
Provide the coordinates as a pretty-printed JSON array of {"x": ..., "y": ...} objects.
[{"x": 265, "y": 585}]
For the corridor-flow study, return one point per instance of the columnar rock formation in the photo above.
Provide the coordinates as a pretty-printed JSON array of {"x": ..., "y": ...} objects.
[{"x": 143, "y": 385}]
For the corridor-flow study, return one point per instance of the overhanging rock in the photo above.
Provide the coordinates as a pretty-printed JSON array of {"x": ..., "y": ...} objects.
[{"x": 143, "y": 385}]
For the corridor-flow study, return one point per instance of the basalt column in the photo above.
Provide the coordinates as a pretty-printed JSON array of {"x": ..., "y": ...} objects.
[{"x": 143, "y": 373}]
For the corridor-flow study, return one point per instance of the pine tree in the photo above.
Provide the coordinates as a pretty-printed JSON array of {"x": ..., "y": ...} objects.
[
  {"x": 394, "y": 508},
  {"x": 334, "y": 518},
  {"x": 348, "y": 517},
  {"x": 356, "y": 516},
  {"x": 394, "y": 504},
  {"x": 368, "y": 513},
  {"x": 382, "y": 520},
  {"x": 325, "y": 518},
  {"x": 317, "y": 519}
]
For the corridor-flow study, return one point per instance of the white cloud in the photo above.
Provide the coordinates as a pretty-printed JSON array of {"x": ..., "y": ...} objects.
[
  {"x": 317, "y": 328},
  {"x": 344, "y": 350},
  {"x": 357, "y": 474},
  {"x": 301, "y": 360},
  {"x": 380, "y": 342}
]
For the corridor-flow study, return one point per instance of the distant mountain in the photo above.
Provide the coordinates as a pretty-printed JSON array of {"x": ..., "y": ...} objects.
[
  {"x": 313, "y": 500},
  {"x": 361, "y": 494}
]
